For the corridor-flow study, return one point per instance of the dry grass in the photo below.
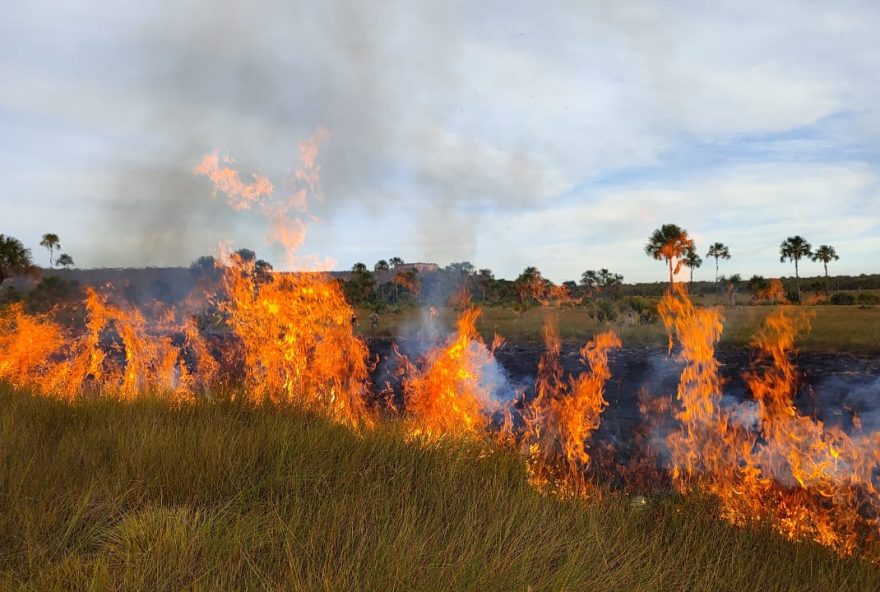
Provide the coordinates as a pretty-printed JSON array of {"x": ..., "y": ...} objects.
[
  {"x": 102, "y": 495},
  {"x": 834, "y": 328}
]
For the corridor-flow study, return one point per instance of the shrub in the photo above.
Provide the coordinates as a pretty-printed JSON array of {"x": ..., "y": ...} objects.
[
  {"x": 869, "y": 299},
  {"x": 843, "y": 298}
]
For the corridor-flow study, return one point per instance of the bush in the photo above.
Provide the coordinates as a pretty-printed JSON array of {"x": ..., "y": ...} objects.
[
  {"x": 868, "y": 299},
  {"x": 843, "y": 298}
]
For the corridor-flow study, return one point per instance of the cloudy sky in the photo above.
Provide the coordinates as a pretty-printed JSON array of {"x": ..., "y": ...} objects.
[{"x": 507, "y": 134}]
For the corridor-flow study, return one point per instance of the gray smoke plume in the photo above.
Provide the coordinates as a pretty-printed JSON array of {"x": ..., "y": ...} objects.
[{"x": 253, "y": 80}]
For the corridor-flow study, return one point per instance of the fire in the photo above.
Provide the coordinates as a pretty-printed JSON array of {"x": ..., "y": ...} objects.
[
  {"x": 286, "y": 339},
  {"x": 565, "y": 413},
  {"x": 115, "y": 354},
  {"x": 298, "y": 343},
  {"x": 447, "y": 397},
  {"x": 806, "y": 481},
  {"x": 226, "y": 180},
  {"x": 287, "y": 215},
  {"x": 773, "y": 293}
]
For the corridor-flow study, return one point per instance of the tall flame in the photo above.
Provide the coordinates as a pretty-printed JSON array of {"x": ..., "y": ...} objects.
[
  {"x": 565, "y": 413},
  {"x": 803, "y": 479},
  {"x": 447, "y": 396}
]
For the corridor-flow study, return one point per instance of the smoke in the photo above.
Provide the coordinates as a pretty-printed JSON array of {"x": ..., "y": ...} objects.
[
  {"x": 843, "y": 399},
  {"x": 254, "y": 80}
]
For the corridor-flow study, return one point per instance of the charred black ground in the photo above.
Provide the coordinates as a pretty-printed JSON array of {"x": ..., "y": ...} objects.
[{"x": 832, "y": 387}]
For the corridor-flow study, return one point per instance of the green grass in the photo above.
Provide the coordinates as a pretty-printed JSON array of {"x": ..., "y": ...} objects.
[
  {"x": 102, "y": 495},
  {"x": 834, "y": 328}
]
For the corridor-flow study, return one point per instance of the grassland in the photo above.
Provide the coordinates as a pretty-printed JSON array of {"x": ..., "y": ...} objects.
[
  {"x": 833, "y": 328},
  {"x": 102, "y": 495}
]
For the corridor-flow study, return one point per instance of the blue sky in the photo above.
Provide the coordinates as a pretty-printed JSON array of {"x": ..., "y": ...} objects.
[{"x": 511, "y": 134}]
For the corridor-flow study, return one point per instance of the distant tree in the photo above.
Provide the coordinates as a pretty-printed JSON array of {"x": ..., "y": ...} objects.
[
  {"x": 395, "y": 262},
  {"x": 601, "y": 281},
  {"x": 263, "y": 271},
  {"x": 462, "y": 267},
  {"x": 14, "y": 258},
  {"x": 669, "y": 242},
  {"x": 826, "y": 254},
  {"x": 484, "y": 280},
  {"x": 204, "y": 268},
  {"x": 756, "y": 285},
  {"x": 379, "y": 269},
  {"x": 692, "y": 261},
  {"x": 51, "y": 242},
  {"x": 361, "y": 286},
  {"x": 732, "y": 283},
  {"x": 408, "y": 279},
  {"x": 530, "y": 285},
  {"x": 718, "y": 251},
  {"x": 65, "y": 261},
  {"x": 246, "y": 255},
  {"x": 590, "y": 280},
  {"x": 794, "y": 248}
]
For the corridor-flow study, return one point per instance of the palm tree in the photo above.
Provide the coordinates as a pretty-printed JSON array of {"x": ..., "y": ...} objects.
[
  {"x": 692, "y": 261},
  {"x": 669, "y": 242},
  {"x": 51, "y": 242},
  {"x": 395, "y": 262},
  {"x": 826, "y": 254},
  {"x": 794, "y": 248},
  {"x": 65, "y": 261},
  {"x": 719, "y": 251},
  {"x": 14, "y": 258}
]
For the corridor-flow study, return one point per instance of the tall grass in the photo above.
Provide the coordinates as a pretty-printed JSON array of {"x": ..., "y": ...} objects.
[{"x": 102, "y": 495}]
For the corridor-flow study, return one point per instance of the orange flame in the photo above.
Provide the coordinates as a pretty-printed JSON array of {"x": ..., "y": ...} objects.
[
  {"x": 565, "y": 413},
  {"x": 298, "y": 343},
  {"x": 804, "y": 480},
  {"x": 447, "y": 397}
]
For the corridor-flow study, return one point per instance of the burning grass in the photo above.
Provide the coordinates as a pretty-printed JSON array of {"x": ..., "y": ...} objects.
[
  {"x": 289, "y": 342},
  {"x": 145, "y": 495}
]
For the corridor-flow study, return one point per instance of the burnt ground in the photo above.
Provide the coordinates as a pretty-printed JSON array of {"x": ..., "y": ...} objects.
[{"x": 832, "y": 387}]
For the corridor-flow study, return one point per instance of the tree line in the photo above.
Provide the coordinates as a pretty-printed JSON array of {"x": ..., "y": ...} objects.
[
  {"x": 16, "y": 260},
  {"x": 393, "y": 281},
  {"x": 672, "y": 244}
]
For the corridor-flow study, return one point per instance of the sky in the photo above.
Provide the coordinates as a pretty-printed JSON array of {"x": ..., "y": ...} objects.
[{"x": 507, "y": 134}]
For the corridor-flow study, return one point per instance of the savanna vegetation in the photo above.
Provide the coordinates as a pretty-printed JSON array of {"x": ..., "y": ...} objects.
[{"x": 105, "y": 495}]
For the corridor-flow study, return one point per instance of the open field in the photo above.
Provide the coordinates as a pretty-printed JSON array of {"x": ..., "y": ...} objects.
[
  {"x": 834, "y": 328},
  {"x": 102, "y": 495}
]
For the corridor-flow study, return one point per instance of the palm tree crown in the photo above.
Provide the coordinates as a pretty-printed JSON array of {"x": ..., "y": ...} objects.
[
  {"x": 669, "y": 242},
  {"x": 718, "y": 251},
  {"x": 14, "y": 257},
  {"x": 51, "y": 242},
  {"x": 794, "y": 248},
  {"x": 693, "y": 261},
  {"x": 826, "y": 254}
]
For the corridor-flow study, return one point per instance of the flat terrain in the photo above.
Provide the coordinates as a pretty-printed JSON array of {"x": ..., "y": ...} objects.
[
  {"x": 834, "y": 328},
  {"x": 102, "y": 495}
]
